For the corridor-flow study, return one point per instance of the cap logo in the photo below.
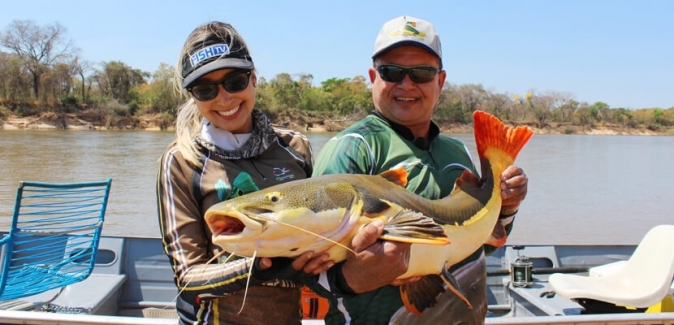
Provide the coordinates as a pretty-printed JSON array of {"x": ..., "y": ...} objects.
[
  {"x": 208, "y": 52},
  {"x": 410, "y": 29}
]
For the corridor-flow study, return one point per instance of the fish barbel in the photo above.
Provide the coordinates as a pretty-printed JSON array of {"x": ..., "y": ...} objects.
[{"x": 324, "y": 213}]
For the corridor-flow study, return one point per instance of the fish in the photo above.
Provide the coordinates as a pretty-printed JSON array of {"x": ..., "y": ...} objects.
[{"x": 323, "y": 214}]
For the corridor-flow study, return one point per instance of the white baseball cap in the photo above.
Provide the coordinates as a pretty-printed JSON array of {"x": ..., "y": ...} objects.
[{"x": 407, "y": 30}]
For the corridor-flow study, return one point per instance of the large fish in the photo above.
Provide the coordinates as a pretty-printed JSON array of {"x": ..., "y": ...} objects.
[{"x": 315, "y": 214}]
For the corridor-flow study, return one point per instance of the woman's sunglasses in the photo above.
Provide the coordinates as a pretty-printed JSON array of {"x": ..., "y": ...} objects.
[
  {"x": 233, "y": 83},
  {"x": 419, "y": 74}
]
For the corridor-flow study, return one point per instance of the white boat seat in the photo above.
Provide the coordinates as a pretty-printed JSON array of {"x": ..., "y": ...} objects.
[{"x": 643, "y": 281}]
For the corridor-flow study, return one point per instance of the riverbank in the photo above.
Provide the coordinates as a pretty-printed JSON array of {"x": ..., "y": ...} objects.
[{"x": 53, "y": 121}]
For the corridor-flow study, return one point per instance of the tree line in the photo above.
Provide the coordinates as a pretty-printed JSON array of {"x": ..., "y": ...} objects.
[{"x": 41, "y": 71}]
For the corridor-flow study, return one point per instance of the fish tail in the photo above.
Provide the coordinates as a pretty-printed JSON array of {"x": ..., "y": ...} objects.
[{"x": 490, "y": 132}]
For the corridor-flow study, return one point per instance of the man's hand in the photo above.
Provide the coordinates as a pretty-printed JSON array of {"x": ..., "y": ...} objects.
[
  {"x": 376, "y": 263},
  {"x": 306, "y": 263},
  {"x": 513, "y": 189},
  {"x": 313, "y": 265}
]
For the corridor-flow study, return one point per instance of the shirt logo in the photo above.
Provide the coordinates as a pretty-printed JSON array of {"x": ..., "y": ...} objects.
[
  {"x": 281, "y": 174},
  {"x": 208, "y": 52},
  {"x": 242, "y": 184}
]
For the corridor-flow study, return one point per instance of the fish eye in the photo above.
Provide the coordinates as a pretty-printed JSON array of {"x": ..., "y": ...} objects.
[{"x": 273, "y": 197}]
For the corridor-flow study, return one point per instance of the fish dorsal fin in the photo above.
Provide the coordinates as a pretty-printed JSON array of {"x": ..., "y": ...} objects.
[{"x": 396, "y": 175}]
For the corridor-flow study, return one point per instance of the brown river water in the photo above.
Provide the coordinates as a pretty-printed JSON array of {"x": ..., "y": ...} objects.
[{"x": 583, "y": 189}]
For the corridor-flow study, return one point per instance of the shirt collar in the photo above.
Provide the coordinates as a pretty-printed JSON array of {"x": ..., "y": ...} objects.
[{"x": 406, "y": 133}]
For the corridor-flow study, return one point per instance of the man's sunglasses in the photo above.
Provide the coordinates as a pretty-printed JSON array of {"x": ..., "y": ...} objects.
[
  {"x": 419, "y": 74},
  {"x": 233, "y": 83}
]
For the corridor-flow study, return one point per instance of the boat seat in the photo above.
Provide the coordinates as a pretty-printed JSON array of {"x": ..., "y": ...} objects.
[
  {"x": 642, "y": 282},
  {"x": 53, "y": 237}
]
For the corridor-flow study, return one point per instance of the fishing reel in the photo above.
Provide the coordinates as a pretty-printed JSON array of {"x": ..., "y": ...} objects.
[{"x": 521, "y": 271}]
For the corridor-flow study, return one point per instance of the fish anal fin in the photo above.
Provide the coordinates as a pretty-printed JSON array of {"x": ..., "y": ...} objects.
[
  {"x": 420, "y": 295},
  {"x": 453, "y": 286},
  {"x": 397, "y": 175},
  {"x": 413, "y": 227}
]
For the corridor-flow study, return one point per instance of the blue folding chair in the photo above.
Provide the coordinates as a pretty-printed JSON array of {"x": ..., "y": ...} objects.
[{"x": 54, "y": 235}]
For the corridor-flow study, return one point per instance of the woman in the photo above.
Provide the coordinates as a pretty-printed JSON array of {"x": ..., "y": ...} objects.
[{"x": 225, "y": 148}]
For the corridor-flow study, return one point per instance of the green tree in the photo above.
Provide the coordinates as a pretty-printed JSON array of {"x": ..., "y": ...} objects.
[
  {"x": 348, "y": 96},
  {"x": 315, "y": 100},
  {"x": 40, "y": 48},
  {"x": 659, "y": 117},
  {"x": 566, "y": 111},
  {"x": 286, "y": 91},
  {"x": 160, "y": 95},
  {"x": 82, "y": 69},
  {"x": 57, "y": 85},
  {"x": 117, "y": 81},
  {"x": 15, "y": 80},
  {"x": 622, "y": 116},
  {"x": 583, "y": 117},
  {"x": 264, "y": 95},
  {"x": 599, "y": 111}
]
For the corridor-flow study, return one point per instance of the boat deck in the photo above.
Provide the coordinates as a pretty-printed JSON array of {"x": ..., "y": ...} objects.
[{"x": 132, "y": 283}]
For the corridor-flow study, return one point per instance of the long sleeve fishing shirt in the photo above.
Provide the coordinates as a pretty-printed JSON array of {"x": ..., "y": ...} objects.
[
  {"x": 372, "y": 146},
  {"x": 212, "y": 292}
]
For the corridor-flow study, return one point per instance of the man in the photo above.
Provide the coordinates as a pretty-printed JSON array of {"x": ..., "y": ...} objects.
[{"x": 407, "y": 80}]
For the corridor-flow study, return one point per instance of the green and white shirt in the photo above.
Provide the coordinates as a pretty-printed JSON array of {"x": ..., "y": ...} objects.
[{"x": 372, "y": 146}]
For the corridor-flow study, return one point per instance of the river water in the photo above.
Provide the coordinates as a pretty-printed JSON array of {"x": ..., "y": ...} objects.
[{"x": 583, "y": 189}]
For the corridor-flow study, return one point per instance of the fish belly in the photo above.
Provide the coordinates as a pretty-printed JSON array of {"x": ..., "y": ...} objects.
[
  {"x": 464, "y": 241},
  {"x": 426, "y": 259}
]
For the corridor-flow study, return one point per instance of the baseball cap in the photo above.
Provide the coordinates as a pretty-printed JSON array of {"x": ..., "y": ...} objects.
[
  {"x": 212, "y": 54},
  {"x": 407, "y": 30}
]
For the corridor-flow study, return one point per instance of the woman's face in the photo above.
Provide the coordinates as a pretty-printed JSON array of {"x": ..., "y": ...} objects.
[{"x": 229, "y": 111}]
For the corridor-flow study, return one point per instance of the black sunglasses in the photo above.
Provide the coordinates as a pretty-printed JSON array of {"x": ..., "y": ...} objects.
[
  {"x": 419, "y": 74},
  {"x": 233, "y": 83}
]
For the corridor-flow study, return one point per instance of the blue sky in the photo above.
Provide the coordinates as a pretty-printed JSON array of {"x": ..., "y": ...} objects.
[{"x": 615, "y": 51}]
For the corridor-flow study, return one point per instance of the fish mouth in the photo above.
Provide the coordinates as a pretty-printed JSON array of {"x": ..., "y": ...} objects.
[
  {"x": 232, "y": 225},
  {"x": 222, "y": 225}
]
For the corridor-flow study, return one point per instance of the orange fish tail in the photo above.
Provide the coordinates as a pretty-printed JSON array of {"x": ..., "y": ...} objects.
[{"x": 490, "y": 132}]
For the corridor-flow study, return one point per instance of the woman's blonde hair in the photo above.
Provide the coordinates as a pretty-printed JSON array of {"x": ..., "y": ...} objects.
[{"x": 189, "y": 121}]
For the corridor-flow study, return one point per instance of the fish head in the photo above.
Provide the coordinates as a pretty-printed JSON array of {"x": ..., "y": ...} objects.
[{"x": 287, "y": 219}]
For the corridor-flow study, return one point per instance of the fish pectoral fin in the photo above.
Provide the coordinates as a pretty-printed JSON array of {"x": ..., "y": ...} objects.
[
  {"x": 419, "y": 295},
  {"x": 454, "y": 286},
  {"x": 413, "y": 227},
  {"x": 374, "y": 206}
]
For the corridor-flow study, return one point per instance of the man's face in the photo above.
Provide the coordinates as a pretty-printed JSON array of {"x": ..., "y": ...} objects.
[{"x": 406, "y": 102}]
